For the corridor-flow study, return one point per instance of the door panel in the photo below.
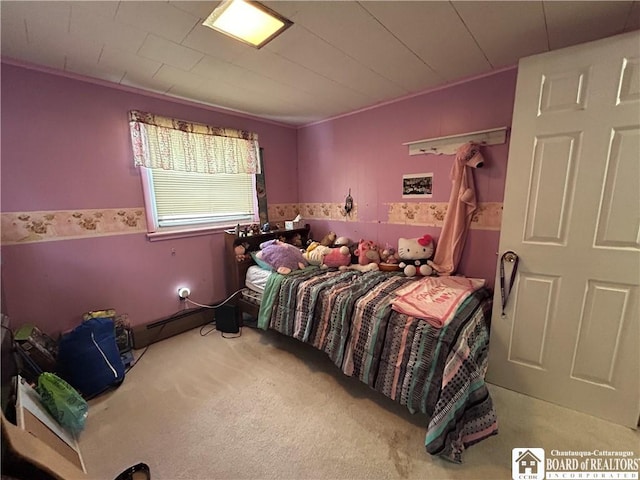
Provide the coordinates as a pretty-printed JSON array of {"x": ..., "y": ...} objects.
[
  {"x": 571, "y": 330},
  {"x": 629, "y": 81},
  {"x": 534, "y": 301},
  {"x": 618, "y": 224},
  {"x": 563, "y": 91},
  {"x": 551, "y": 188},
  {"x": 596, "y": 339}
]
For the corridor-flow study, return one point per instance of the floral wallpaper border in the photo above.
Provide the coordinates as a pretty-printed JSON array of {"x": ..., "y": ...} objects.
[
  {"x": 30, "y": 227},
  {"x": 280, "y": 212},
  {"x": 487, "y": 217}
]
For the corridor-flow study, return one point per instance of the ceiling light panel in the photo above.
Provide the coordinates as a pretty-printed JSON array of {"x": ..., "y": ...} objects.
[{"x": 247, "y": 21}]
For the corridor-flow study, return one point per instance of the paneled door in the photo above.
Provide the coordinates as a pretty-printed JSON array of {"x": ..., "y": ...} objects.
[{"x": 570, "y": 334}]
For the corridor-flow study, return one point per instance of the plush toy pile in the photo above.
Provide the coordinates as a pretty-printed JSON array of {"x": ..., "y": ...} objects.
[
  {"x": 411, "y": 257},
  {"x": 389, "y": 255}
]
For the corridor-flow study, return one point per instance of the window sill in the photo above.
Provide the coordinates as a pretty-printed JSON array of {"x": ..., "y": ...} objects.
[{"x": 185, "y": 233}]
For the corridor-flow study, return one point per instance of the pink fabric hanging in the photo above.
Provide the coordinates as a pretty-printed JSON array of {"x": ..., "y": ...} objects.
[{"x": 462, "y": 205}]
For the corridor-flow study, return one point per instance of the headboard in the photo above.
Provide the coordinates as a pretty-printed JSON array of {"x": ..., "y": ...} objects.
[{"x": 237, "y": 270}]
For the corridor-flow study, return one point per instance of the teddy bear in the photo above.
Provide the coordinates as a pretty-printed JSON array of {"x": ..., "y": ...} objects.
[
  {"x": 282, "y": 256},
  {"x": 414, "y": 254},
  {"x": 241, "y": 252},
  {"x": 329, "y": 239},
  {"x": 367, "y": 252}
]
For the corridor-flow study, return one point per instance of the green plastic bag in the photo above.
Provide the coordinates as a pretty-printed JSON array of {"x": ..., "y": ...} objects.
[{"x": 63, "y": 402}]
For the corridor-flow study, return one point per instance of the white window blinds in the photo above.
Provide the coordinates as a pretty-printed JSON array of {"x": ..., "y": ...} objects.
[{"x": 188, "y": 198}]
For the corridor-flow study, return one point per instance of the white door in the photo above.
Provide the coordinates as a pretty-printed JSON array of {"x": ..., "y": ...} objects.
[{"x": 571, "y": 331}]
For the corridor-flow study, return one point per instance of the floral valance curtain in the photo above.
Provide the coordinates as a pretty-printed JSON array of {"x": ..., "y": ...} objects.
[{"x": 171, "y": 144}]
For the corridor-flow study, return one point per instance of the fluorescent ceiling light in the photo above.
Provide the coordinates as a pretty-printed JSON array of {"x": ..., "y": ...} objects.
[{"x": 249, "y": 22}]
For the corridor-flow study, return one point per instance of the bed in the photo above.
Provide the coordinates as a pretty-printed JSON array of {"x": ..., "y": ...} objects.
[{"x": 349, "y": 315}]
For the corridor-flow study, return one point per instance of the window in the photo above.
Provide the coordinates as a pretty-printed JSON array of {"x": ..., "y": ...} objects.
[
  {"x": 191, "y": 199},
  {"x": 194, "y": 176}
]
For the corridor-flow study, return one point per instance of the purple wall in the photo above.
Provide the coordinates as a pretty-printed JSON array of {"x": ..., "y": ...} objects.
[
  {"x": 65, "y": 146},
  {"x": 364, "y": 152}
]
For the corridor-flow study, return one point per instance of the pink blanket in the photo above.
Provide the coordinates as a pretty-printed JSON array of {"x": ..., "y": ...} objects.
[{"x": 436, "y": 299}]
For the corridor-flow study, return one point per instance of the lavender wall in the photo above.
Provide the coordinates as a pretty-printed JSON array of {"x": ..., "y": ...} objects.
[
  {"x": 364, "y": 152},
  {"x": 65, "y": 146}
]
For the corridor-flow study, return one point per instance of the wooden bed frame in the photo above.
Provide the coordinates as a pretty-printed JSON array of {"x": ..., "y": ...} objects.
[{"x": 237, "y": 270}]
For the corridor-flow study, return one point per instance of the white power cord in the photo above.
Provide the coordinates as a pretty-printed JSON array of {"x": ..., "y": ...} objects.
[{"x": 214, "y": 306}]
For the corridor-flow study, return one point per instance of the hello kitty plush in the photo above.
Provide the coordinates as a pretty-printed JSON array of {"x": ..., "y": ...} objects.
[{"x": 414, "y": 253}]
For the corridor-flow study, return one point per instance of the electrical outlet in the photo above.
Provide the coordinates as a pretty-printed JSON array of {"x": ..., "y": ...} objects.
[{"x": 183, "y": 293}]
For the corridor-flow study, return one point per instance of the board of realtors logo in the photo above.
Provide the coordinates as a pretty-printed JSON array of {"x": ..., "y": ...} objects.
[{"x": 527, "y": 463}]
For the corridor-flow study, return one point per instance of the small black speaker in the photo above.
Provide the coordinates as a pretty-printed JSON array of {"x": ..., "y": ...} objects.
[{"x": 227, "y": 319}]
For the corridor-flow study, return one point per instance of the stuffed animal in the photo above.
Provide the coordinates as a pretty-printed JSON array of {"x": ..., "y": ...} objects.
[
  {"x": 389, "y": 255},
  {"x": 414, "y": 254},
  {"x": 329, "y": 239},
  {"x": 371, "y": 267},
  {"x": 315, "y": 253},
  {"x": 283, "y": 257},
  {"x": 312, "y": 245},
  {"x": 346, "y": 242},
  {"x": 340, "y": 241},
  {"x": 337, "y": 257},
  {"x": 326, "y": 257},
  {"x": 241, "y": 252},
  {"x": 296, "y": 240},
  {"x": 367, "y": 252}
]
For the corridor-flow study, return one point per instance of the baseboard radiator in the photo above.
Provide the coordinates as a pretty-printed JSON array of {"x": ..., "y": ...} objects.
[{"x": 144, "y": 335}]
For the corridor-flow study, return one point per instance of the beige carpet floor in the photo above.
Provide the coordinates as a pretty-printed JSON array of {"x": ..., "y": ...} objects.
[{"x": 264, "y": 406}]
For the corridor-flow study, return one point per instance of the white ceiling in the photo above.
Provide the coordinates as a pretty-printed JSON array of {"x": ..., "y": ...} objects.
[{"x": 338, "y": 57}]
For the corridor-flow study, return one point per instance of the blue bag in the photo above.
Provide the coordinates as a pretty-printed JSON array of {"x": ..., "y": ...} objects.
[{"x": 89, "y": 359}]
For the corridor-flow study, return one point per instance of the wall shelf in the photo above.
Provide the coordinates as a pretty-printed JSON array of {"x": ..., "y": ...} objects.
[{"x": 449, "y": 144}]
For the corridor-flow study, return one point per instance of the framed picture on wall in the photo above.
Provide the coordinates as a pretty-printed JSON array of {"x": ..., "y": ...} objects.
[{"x": 417, "y": 185}]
